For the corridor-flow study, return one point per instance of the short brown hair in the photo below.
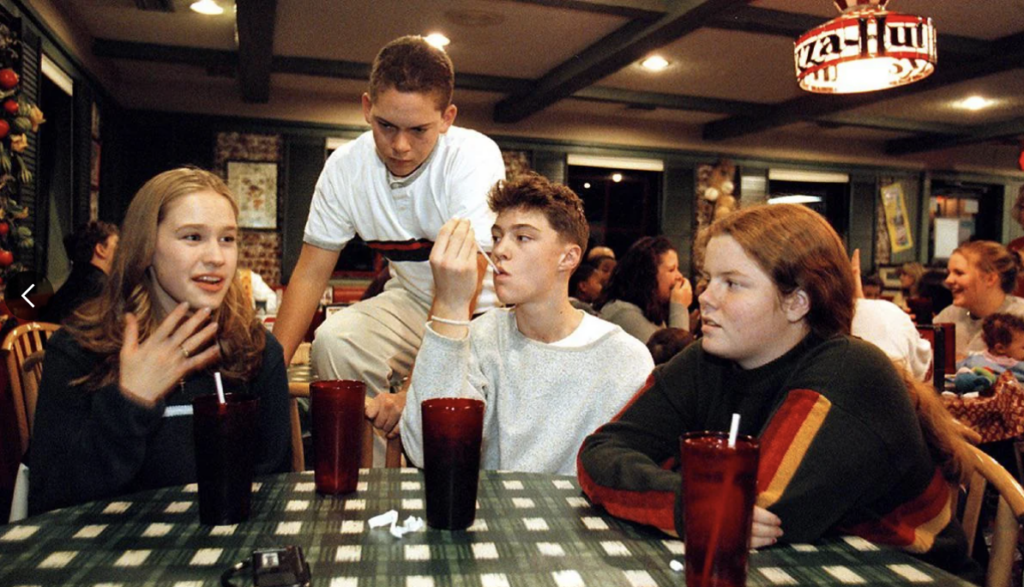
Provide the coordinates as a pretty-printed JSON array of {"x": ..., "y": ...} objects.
[
  {"x": 1000, "y": 328},
  {"x": 411, "y": 64},
  {"x": 992, "y": 257},
  {"x": 559, "y": 204},
  {"x": 81, "y": 244},
  {"x": 798, "y": 249}
]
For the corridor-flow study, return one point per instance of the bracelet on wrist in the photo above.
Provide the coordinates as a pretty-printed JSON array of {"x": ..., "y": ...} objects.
[{"x": 449, "y": 321}]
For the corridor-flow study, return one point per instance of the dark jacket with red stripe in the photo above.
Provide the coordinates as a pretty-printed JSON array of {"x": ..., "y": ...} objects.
[{"x": 841, "y": 447}]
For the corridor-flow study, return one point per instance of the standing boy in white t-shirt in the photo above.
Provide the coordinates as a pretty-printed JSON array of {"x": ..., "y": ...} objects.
[
  {"x": 394, "y": 186},
  {"x": 550, "y": 374}
]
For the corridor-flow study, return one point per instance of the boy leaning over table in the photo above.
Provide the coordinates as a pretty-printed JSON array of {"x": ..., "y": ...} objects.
[
  {"x": 394, "y": 186},
  {"x": 548, "y": 373}
]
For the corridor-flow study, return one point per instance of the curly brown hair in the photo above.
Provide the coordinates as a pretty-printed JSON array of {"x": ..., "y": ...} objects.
[
  {"x": 411, "y": 64},
  {"x": 1000, "y": 328},
  {"x": 98, "y": 326},
  {"x": 81, "y": 244},
  {"x": 559, "y": 204}
]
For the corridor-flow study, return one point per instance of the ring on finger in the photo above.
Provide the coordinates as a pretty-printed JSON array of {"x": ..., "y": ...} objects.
[{"x": 184, "y": 351}]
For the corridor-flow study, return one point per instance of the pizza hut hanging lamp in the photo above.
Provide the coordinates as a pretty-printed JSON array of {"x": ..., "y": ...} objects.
[{"x": 864, "y": 49}]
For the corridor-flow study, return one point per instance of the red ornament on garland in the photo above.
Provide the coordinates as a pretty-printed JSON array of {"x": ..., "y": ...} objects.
[{"x": 8, "y": 78}]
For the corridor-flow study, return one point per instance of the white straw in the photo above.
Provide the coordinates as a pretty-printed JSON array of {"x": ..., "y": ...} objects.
[
  {"x": 488, "y": 257},
  {"x": 220, "y": 389},
  {"x": 734, "y": 429}
]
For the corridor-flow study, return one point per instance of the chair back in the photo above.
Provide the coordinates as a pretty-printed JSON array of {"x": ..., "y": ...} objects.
[
  {"x": 936, "y": 337},
  {"x": 1009, "y": 515},
  {"x": 393, "y": 455},
  {"x": 949, "y": 331},
  {"x": 921, "y": 308},
  {"x": 24, "y": 348}
]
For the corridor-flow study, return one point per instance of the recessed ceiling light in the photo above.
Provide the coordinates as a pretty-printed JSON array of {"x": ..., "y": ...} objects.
[
  {"x": 654, "y": 63},
  {"x": 208, "y": 7},
  {"x": 586, "y": 185},
  {"x": 976, "y": 103},
  {"x": 616, "y": 177},
  {"x": 438, "y": 40}
]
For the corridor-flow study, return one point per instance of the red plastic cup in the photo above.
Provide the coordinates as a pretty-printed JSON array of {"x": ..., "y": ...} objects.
[
  {"x": 452, "y": 431},
  {"x": 338, "y": 411},
  {"x": 224, "y": 436},
  {"x": 719, "y": 487}
]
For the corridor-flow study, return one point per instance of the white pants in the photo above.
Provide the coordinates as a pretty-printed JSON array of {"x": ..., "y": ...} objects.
[{"x": 374, "y": 341}]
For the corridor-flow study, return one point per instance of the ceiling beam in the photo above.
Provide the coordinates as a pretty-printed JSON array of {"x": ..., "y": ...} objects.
[
  {"x": 606, "y": 56},
  {"x": 157, "y": 5},
  {"x": 255, "y": 25},
  {"x": 225, "y": 62},
  {"x": 612, "y": 9},
  {"x": 670, "y": 101},
  {"x": 979, "y": 134},
  {"x": 221, "y": 61},
  {"x": 1007, "y": 54},
  {"x": 164, "y": 53},
  {"x": 652, "y": 100},
  {"x": 891, "y": 124}
]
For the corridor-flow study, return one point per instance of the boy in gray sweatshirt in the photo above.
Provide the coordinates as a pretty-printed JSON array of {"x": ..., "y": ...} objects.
[{"x": 548, "y": 373}]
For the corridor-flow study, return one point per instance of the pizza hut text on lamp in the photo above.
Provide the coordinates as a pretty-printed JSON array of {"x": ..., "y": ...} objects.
[{"x": 866, "y": 48}]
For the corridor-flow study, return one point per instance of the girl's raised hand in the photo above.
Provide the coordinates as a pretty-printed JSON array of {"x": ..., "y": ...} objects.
[
  {"x": 682, "y": 293},
  {"x": 150, "y": 370}
]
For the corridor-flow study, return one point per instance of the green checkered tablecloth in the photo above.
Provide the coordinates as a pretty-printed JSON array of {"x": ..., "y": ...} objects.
[{"x": 531, "y": 530}]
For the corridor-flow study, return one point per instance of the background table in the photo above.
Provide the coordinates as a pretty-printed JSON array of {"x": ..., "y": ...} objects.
[{"x": 531, "y": 530}]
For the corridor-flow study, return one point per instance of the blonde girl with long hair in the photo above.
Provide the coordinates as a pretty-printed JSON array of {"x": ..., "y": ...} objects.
[{"x": 114, "y": 409}]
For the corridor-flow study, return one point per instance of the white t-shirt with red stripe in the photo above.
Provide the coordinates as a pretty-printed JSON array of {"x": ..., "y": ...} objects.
[{"x": 400, "y": 217}]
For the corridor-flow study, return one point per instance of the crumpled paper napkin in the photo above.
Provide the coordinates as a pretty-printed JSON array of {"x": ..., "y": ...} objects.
[{"x": 390, "y": 517}]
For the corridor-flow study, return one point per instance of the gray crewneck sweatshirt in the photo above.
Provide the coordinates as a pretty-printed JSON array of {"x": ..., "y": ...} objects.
[{"x": 541, "y": 399}]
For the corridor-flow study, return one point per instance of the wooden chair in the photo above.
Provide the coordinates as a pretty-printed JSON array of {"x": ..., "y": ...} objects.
[
  {"x": 393, "y": 456},
  {"x": 936, "y": 337},
  {"x": 949, "y": 331},
  {"x": 24, "y": 348},
  {"x": 1009, "y": 515}
]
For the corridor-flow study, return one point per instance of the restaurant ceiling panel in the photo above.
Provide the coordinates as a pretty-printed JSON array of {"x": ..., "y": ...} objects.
[
  {"x": 121, "y": 20},
  {"x": 697, "y": 68},
  {"x": 1006, "y": 90},
  {"x": 526, "y": 40},
  {"x": 844, "y": 133},
  {"x": 731, "y": 78},
  {"x": 626, "y": 115}
]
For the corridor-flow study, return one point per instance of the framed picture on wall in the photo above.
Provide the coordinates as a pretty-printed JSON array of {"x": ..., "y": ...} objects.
[{"x": 254, "y": 183}]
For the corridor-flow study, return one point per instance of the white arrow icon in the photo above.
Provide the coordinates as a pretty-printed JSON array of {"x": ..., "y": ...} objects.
[{"x": 27, "y": 301}]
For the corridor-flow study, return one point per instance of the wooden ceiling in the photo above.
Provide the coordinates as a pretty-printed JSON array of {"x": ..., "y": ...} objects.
[{"x": 731, "y": 73}]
